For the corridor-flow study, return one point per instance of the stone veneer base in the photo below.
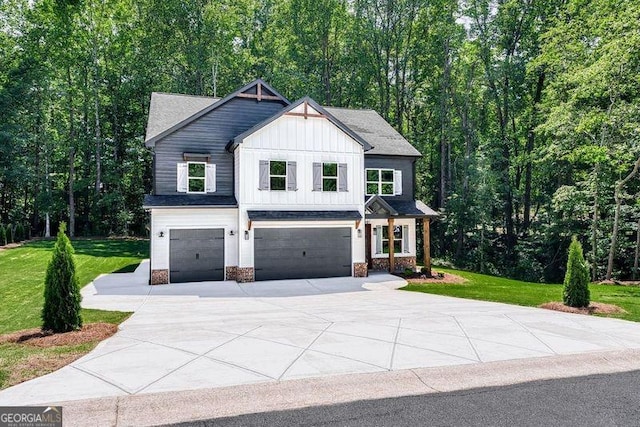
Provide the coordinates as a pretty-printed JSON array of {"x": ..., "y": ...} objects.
[
  {"x": 360, "y": 269},
  {"x": 159, "y": 277},
  {"x": 231, "y": 273},
  {"x": 244, "y": 274},
  {"x": 401, "y": 262}
]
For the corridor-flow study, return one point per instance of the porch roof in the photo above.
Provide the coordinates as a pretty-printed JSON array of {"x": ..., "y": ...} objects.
[
  {"x": 303, "y": 215},
  {"x": 385, "y": 207}
]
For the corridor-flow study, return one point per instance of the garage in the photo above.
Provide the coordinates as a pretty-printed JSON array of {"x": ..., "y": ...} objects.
[
  {"x": 302, "y": 253},
  {"x": 196, "y": 255}
]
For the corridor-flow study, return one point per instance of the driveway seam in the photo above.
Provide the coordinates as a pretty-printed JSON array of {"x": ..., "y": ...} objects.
[
  {"x": 97, "y": 376},
  {"x": 198, "y": 356},
  {"x": 303, "y": 351},
  {"x": 395, "y": 343},
  {"x": 530, "y": 332},
  {"x": 468, "y": 339}
]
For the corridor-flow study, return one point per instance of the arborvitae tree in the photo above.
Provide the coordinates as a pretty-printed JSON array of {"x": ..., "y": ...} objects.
[
  {"x": 61, "y": 311},
  {"x": 576, "y": 279},
  {"x": 19, "y": 234},
  {"x": 3, "y": 235},
  {"x": 10, "y": 234}
]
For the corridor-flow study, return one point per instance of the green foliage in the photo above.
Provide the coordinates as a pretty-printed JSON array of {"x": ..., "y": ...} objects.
[
  {"x": 19, "y": 233},
  {"x": 576, "y": 279},
  {"x": 61, "y": 311},
  {"x": 500, "y": 289},
  {"x": 23, "y": 271},
  {"x": 3, "y": 235},
  {"x": 526, "y": 113},
  {"x": 10, "y": 234}
]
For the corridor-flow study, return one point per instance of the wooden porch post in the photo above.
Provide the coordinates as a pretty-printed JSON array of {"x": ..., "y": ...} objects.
[
  {"x": 426, "y": 239},
  {"x": 392, "y": 261}
]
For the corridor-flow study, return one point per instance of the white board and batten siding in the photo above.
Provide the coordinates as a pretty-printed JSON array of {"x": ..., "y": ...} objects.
[
  {"x": 163, "y": 220},
  {"x": 305, "y": 142}
]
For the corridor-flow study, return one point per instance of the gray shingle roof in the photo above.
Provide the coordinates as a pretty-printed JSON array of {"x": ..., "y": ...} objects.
[
  {"x": 187, "y": 200},
  {"x": 411, "y": 208},
  {"x": 382, "y": 207},
  {"x": 371, "y": 127},
  {"x": 168, "y": 109},
  {"x": 303, "y": 215}
]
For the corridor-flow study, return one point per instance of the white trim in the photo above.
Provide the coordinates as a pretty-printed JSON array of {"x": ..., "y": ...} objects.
[
  {"x": 204, "y": 178},
  {"x": 279, "y": 176},
  {"x": 323, "y": 177},
  {"x": 379, "y": 182}
]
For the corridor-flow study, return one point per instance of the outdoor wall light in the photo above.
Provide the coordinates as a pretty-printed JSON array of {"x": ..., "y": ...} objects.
[
  {"x": 161, "y": 234},
  {"x": 232, "y": 233},
  {"x": 359, "y": 232},
  {"x": 246, "y": 234}
]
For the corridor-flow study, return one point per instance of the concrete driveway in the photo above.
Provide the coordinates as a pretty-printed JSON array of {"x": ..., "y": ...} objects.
[{"x": 204, "y": 335}]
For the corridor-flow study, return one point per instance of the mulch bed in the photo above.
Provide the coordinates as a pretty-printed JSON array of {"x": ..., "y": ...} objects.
[
  {"x": 35, "y": 337},
  {"x": 594, "y": 308},
  {"x": 436, "y": 277}
]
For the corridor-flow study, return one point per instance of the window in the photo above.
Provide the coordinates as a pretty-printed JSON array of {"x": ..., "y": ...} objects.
[
  {"x": 380, "y": 181},
  {"x": 397, "y": 239},
  {"x": 197, "y": 177},
  {"x": 278, "y": 175},
  {"x": 329, "y": 177}
]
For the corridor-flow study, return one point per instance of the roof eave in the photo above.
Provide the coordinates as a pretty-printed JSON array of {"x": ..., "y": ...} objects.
[{"x": 151, "y": 142}]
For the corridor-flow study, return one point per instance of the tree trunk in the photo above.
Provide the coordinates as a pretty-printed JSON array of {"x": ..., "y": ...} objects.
[
  {"x": 72, "y": 203},
  {"x": 72, "y": 136},
  {"x": 635, "y": 260},
  {"x": 444, "y": 135},
  {"x": 616, "y": 218},
  {"x": 594, "y": 225},
  {"x": 529, "y": 149}
]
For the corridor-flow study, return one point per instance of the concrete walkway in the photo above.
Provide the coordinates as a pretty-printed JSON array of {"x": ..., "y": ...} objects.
[{"x": 217, "y": 334}]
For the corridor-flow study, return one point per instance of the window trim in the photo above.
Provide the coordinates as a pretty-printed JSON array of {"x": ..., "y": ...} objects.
[
  {"x": 286, "y": 165},
  {"x": 400, "y": 239},
  {"x": 323, "y": 177},
  {"x": 202, "y": 178},
  {"x": 379, "y": 182}
]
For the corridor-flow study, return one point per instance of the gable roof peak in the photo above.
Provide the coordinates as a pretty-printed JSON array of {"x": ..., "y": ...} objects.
[
  {"x": 168, "y": 115},
  {"x": 321, "y": 113}
]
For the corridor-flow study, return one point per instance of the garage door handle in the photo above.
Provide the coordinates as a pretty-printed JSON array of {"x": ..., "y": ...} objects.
[
  {"x": 197, "y": 256},
  {"x": 304, "y": 253}
]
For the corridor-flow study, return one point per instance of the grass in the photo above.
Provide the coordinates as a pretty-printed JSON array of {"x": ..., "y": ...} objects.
[
  {"x": 499, "y": 289},
  {"x": 22, "y": 272}
]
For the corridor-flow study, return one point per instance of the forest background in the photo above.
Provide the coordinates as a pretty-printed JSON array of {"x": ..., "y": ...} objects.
[{"x": 527, "y": 112}]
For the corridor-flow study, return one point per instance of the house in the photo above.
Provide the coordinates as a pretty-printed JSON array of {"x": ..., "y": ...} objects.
[{"x": 255, "y": 187}]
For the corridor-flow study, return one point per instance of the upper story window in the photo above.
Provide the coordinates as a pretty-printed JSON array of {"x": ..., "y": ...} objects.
[
  {"x": 329, "y": 177},
  {"x": 197, "y": 177},
  {"x": 381, "y": 181},
  {"x": 277, "y": 175}
]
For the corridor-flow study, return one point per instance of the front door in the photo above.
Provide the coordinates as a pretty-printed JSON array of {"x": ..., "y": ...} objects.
[{"x": 367, "y": 244}]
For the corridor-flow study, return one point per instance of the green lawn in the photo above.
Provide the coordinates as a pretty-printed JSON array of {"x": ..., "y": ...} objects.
[
  {"x": 499, "y": 289},
  {"x": 22, "y": 272}
]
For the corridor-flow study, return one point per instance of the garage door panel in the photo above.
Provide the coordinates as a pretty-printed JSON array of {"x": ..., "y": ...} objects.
[
  {"x": 297, "y": 253},
  {"x": 196, "y": 255}
]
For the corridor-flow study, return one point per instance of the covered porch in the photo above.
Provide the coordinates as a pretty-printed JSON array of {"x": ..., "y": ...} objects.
[{"x": 392, "y": 233}]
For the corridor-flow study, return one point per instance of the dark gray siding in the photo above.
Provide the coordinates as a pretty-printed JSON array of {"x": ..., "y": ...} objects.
[
  {"x": 209, "y": 134},
  {"x": 405, "y": 164}
]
